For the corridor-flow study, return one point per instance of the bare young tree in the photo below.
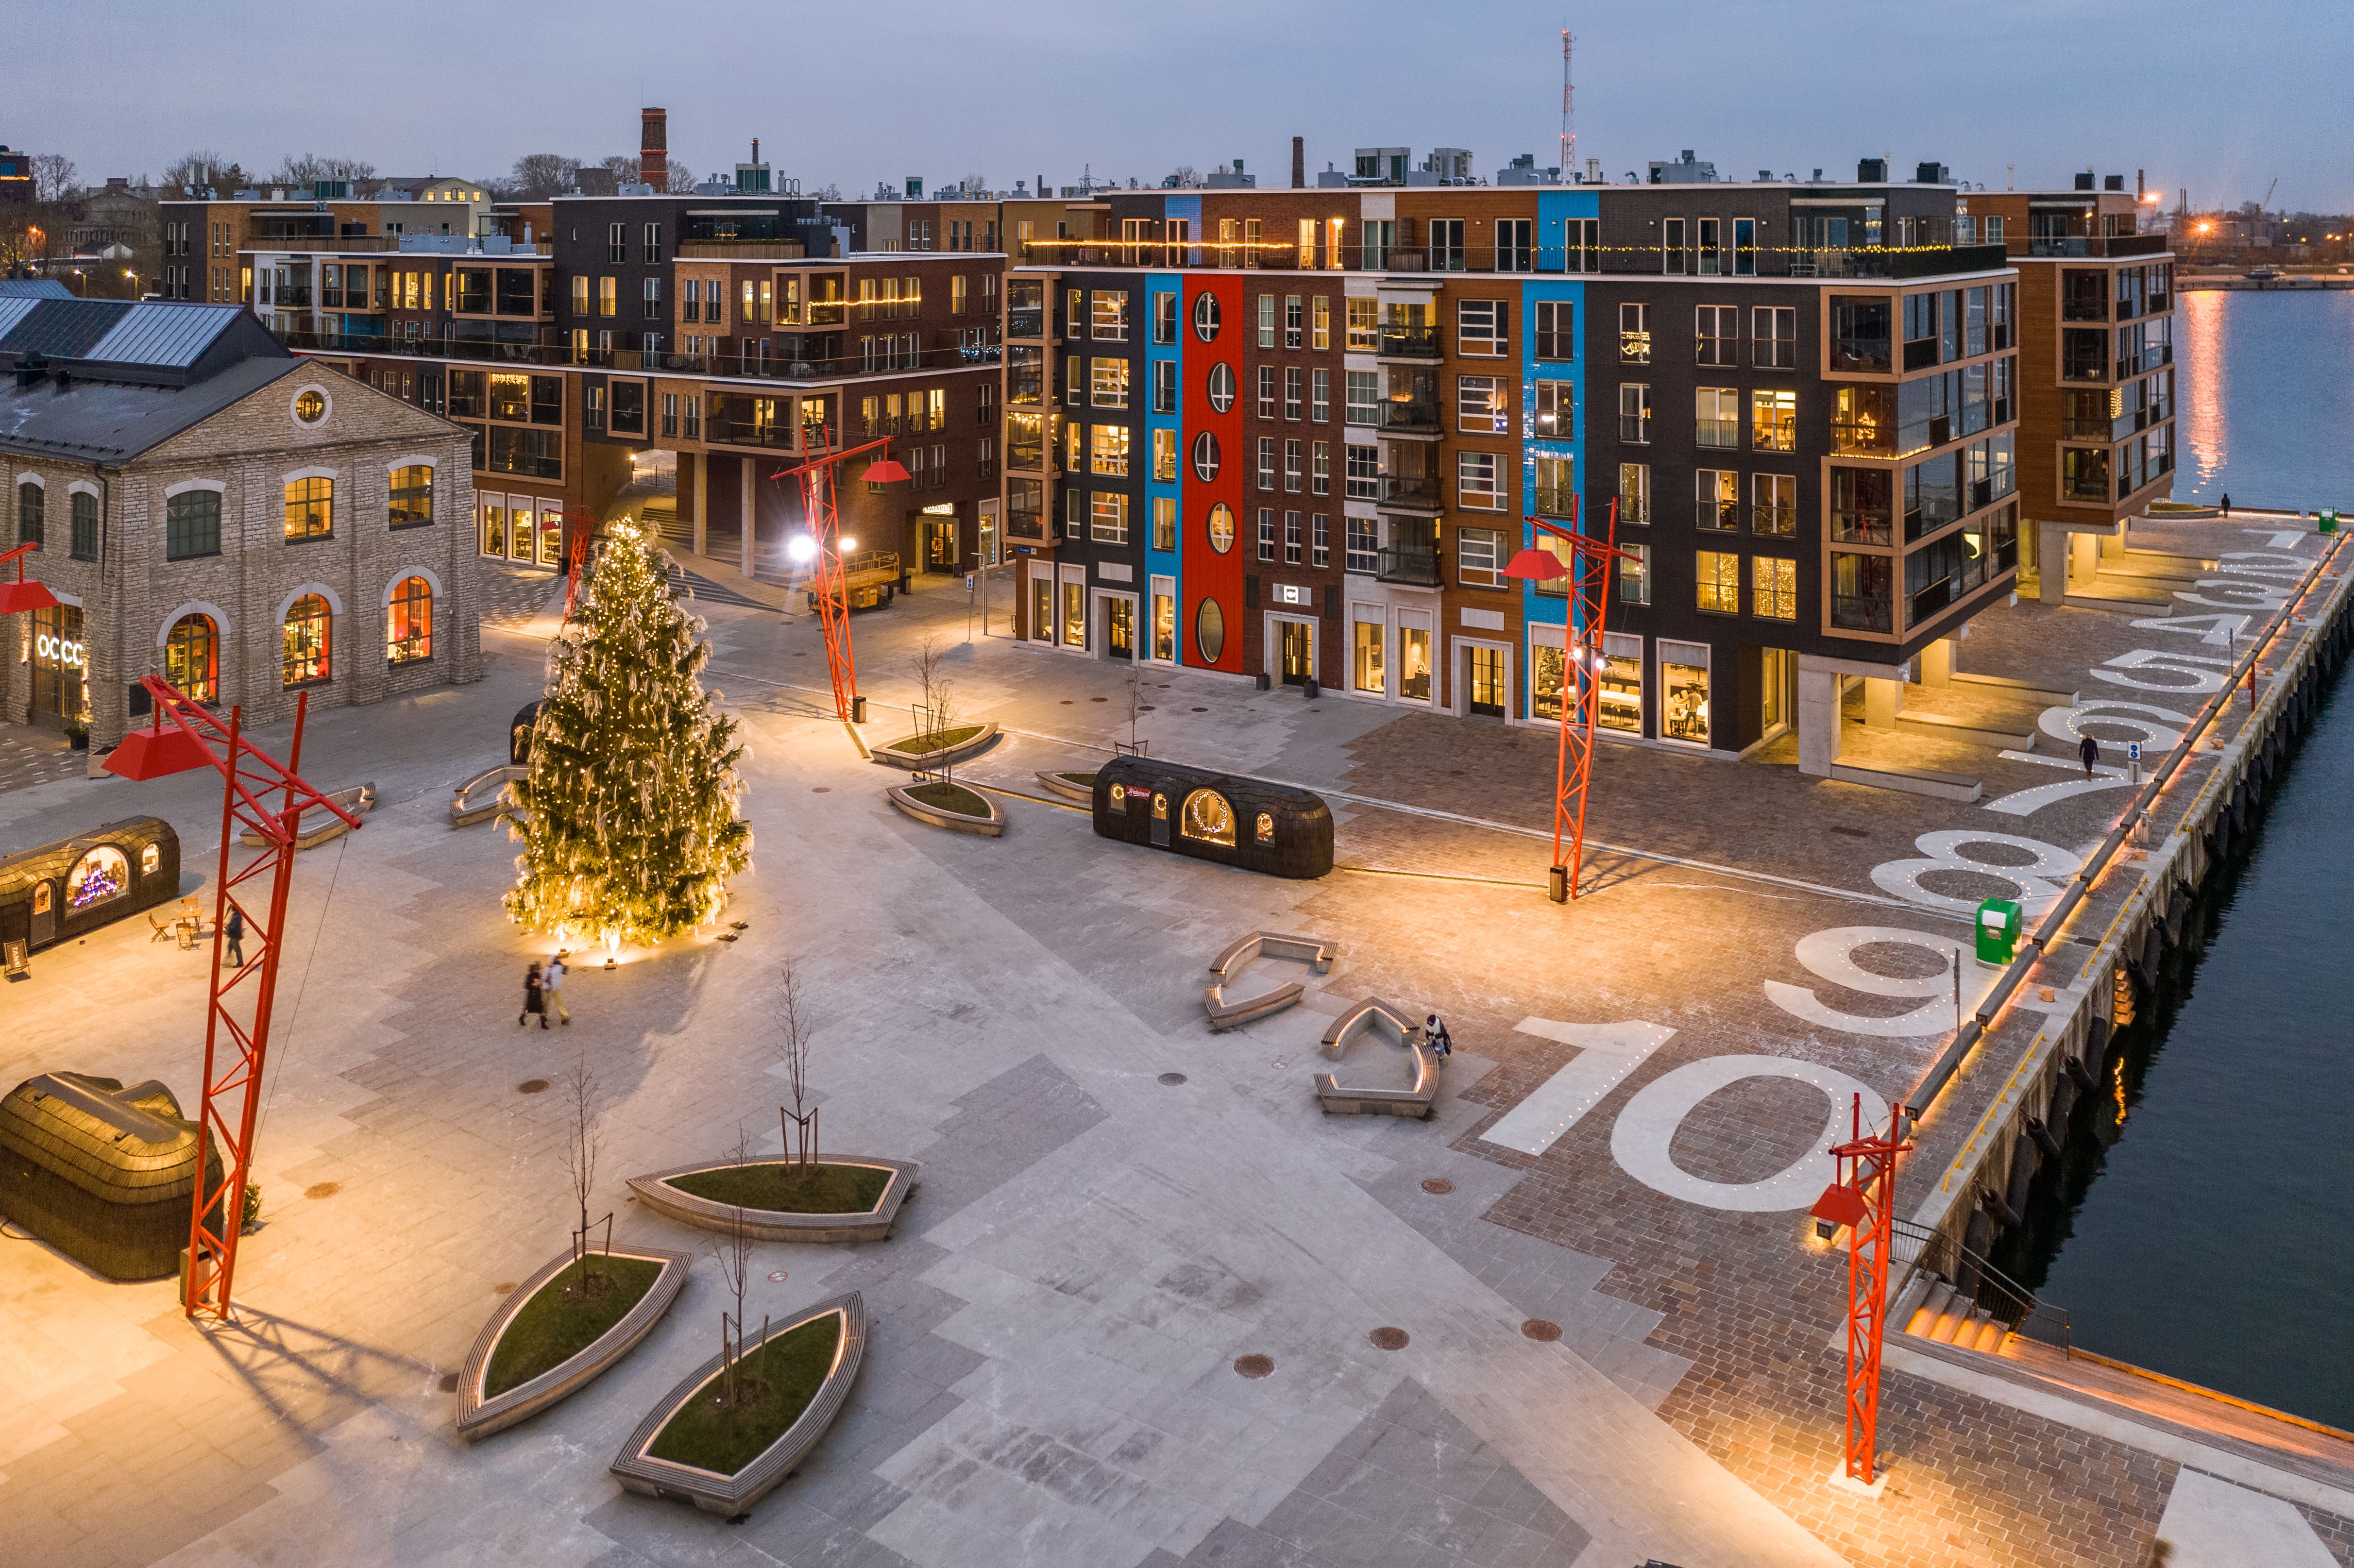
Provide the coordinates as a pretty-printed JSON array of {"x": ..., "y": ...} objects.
[
  {"x": 309, "y": 167},
  {"x": 1135, "y": 706},
  {"x": 625, "y": 167},
  {"x": 582, "y": 1146},
  {"x": 203, "y": 168},
  {"x": 544, "y": 173},
  {"x": 733, "y": 1251},
  {"x": 55, "y": 178},
  {"x": 936, "y": 704},
  {"x": 792, "y": 1024}
]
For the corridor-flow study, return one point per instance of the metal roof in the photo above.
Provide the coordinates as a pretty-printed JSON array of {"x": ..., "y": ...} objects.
[
  {"x": 34, "y": 289},
  {"x": 63, "y": 329},
  {"x": 13, "y": 311},
  {"x": 107, "y": 422},
  {"x": 153, "y": 333}
]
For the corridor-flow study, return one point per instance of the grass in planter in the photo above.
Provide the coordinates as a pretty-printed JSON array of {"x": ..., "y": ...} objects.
[
  {"x": 937, "y": 740},
  {"x": 951, "y": 798},
  {"x": 1087, "y": 778},
  {"x": 557, "y": 1324},
  {"x": 774, "y": 1185},
  {"x": 783, "y": 1375}
]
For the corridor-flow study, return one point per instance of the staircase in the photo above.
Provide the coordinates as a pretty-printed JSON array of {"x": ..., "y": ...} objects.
[{"x": 1956, "y": 1297}]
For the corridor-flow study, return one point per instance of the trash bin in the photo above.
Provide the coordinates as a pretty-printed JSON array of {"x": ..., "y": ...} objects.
[
  {"x": 2328, "y": 518},
  {"x": 1999, "y": 923}
]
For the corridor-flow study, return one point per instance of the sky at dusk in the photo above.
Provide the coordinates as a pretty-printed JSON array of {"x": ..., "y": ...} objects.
[{"x": 2222, "y": 98}]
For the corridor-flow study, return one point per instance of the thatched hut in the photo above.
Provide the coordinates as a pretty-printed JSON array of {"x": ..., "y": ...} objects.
[
  {"x": 71, "y": 887},
  {"x": 102, "y": 1173},
  {"x": 1248, "y": 823}
]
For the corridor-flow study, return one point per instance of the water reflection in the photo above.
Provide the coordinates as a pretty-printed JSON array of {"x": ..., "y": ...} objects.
[{"x": 2265, "y": 384}]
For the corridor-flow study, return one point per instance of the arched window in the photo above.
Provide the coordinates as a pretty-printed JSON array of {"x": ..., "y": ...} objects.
[
  {"x": 192, "y": 656},
  {"x": 1207, "y": 817},
  {"x": 84, "y": 544},
  {"x": 310, "y": 508},
  {"x": 308, "y": 627},
  {"x": 104, "y": 874},
  {"x": 32, "y": 509},
  {"x": 408, "y": 623},
  {"x": 412, "y": 496},
  {"x": 192, "y": 525}
]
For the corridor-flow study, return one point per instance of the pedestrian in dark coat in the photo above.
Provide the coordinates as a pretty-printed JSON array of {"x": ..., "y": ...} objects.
[
  {"x": 535, "y": 998},
  {"x": 2227, "y": 504},
  {"x": 235, "y": 932},
  {"x": 1435, "y": 1035},
  {"x": 2090, "y": 750}
]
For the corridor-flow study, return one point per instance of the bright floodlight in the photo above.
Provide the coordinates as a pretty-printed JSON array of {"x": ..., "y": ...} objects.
[
  {"x": 848, "y": 544},
  {"x": 800, "y": 548}
]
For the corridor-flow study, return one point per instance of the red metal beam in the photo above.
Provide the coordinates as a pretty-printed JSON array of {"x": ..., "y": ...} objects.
[
  {"x": 817, "y": 477},
  {"x": 237, "y": 1049},
  {"x": 1871, "y": 1162},
  {"x": 1589, "y": 574}
]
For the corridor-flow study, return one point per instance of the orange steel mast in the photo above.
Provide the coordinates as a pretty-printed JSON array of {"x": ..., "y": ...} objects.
[
  {"x": 825, "y": 530},
  {"x": 1865, "y": 1203},
  {"x": 1588, "y": 569},
  {"x": 184, "y": 737}
]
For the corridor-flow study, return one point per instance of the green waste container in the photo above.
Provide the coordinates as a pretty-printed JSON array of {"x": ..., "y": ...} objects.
[
  {"x": 1999, "y": 923},
  {"x": 2328, "y": 520}
]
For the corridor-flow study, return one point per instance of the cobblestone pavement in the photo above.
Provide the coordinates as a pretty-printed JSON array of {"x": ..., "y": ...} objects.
[
  {"x": 512, "y": 595},
  {"x": 30, "y": 754},
  {"x": 1052, "y": 1377}
]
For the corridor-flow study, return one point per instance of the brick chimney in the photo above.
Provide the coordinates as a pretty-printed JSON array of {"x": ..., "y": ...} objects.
[
  {"x": 1299, "y": 163},
  {"x": 653, "y": 148}
]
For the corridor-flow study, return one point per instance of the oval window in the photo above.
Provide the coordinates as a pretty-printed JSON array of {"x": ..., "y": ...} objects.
[
  {"x": 311, "y": 406},
  {"x": 104, "y": 874},
  {"x": 1207, "y": 817},
  {"x": 1222, "y": 527},
  {"x": 1206, "y": 316},
  {"x": 1209, "y": 631},
  {"x": 1222, "y": 387},
  {"x": 1266, "y": 827},
  {"x": 1205, "y": 456}
]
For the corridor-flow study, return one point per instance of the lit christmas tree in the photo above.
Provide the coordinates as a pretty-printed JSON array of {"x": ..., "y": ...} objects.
[{"x": 628, "y": 819}]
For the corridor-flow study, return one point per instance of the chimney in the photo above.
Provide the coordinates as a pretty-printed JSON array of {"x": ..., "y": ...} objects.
[
  {"x": 1299, "y": 163},
  {"x": 653, "y": 148}
]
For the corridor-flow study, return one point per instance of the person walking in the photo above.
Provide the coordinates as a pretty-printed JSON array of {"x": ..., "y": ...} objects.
[
  {"x": 553, "y": 982},
  {"x": 235, "y": 932},
  {"x": 2090, "y": 750},
  {"x": 534, "y": 997},
  {"x": 1435, "y": 1035},
  {"x": 2227, "y": 504}
]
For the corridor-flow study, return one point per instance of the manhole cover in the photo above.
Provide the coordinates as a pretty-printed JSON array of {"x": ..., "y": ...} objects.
[
  {"x": 449, "y": 1382},
  {"x": 531, "y": 1086},
  {"x": 1201, "y": 710},
  {"x": 1254, "y": 1366},
  {"x": 777, "y": 1276},
  {"x": 1439, "y": 1184},
  {"x": 505, "y": 1288},
  {"x": 322, "y": 1189},
  {"x": 1173, "y": 1079},
  {"x": 1066, "y": 702},
  {"x": 1539, "y": 1329},
  {"x": 822, "y": 789},
  {"x": 1098, "y": 699},
  {"x": 1388, "y": 1338}
]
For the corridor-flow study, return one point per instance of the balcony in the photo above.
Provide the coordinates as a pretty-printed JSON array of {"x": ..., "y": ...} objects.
[
  {"x": 742, "y": 250},
  {"x": 1026, "y": 322},
  {"x": 291, "y": 297},
  {"x": 1408, "y": 342},
  {"x": 1920, "y": 262},
  {"x": 720, "y": 428},
  {"x": 2057, "y": 246},
  {"x": 1556, "y": 501},
  {"x": 1410, "y": 493},
  {"x": 1411, "y": 417},
  {"x": 1416, "y": 566}
]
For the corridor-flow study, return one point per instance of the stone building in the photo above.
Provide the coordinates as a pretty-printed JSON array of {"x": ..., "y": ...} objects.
[{"x": 210, "y": 509}]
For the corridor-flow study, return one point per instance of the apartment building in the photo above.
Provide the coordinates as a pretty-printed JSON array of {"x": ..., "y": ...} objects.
[
  {"x": 1803, "y": 400},
  {"x": 204, "y": 238}
]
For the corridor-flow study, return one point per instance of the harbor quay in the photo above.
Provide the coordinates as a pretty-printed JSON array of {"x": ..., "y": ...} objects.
[{"x": 1147, "y": 1303}]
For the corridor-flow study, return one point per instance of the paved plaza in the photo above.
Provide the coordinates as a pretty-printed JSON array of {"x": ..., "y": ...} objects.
[{"x": 1116, "y": 1205}]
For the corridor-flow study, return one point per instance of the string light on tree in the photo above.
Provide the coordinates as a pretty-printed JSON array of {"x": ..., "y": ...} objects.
[{"x": 629, "y": 814}]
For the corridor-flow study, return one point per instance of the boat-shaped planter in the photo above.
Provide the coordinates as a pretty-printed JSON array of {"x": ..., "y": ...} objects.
[
  {"x": 990, "y": 826},
  {"x": 903, "y": 753},
  {"x": 479, "y": 1415},
  {"x": 733, "y": 1494},
  {"x": 1078, "y": 787},
  {"x": 660, "y": 1192}
]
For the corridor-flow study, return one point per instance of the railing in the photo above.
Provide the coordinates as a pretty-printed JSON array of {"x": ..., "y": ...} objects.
[
  {"x": 1860, "y": 528},
  {"x": 1891, "y": 262},
  {"x": 1409, "y": 341},
  {"x": 1419, "y": 567},
  {"x": 1029, "y": 321},
  {"x": 1417, "y": 491},
  {"x": 1995, "y": 1293},
  {"x": 1860, "y": 612},
  {"x": 742, "y": 250},
  {"x": 2062, "y": 246},
  {"x": 1416, "y": 415},
  {"x": 726, "y": 366}
]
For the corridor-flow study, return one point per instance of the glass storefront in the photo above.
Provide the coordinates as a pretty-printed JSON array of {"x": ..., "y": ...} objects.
[
  {"x": 1164, "y": 620},
  {"x": 1041, "y": 609},
  {"x": 1621, "y": 703},
  {"x": 60, "y": 669},
  {"x": 1075, "y": 614},
  {"x": 1683, "y": 692},
  {"x": 1548, "y": 671},
  {"x": 1414, "y": 655},
  {"x": 1368, "y": 671}
]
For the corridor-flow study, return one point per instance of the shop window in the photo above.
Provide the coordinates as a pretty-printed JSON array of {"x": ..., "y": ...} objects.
[
  {"x": 1368, "y": 669},
  {"x": 192, "y": 525},
  {"x": 308, "y": 628},
  {"x": 1548, "y": 669},
  {"x": 310, "y": 508},
  {"x": 411, "y": 501},
  {"x": 1414, "y": 657},
  {"x": 1207, "y": 816},
  {"x": 191, "y": 657},
  {"x": 1075, "y": 614},
  {"x": 1683, "y": 692},
  {"x": 408, "y": 623},
  {"x": 1164, "y": 627},
  {"x": 1619, "y": 694},
  {"x": 104, "y": 874}
]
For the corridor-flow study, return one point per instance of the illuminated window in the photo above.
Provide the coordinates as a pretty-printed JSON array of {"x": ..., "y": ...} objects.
[
  {"x": 1108, "y": 449},
  {"x": 1266, "y": 827},
  {"x": 1365, "y": 325},
  {"x": 1209, "y": 635},
  {"x": 191, "y": 657},
  {"x": 412, "y": 496},
  {"x": 408, "y": 623},
  {"x": 1207, "y": 817},
  {"x": 1719, "y": 576},
  {"x": 307, "y": 631},
  {"x": 1773, "y": 587},
  {"x": 1108, "y": 517},
  {"x": 311, "y": 406},
  {"x": 310, "y": 508},
  {"x": 1774, "y": 421},
  {"x": 105, "y": 873},
  {"x": 1716, "y": 500},
  {"x": 1108, "y": 382},
  {"x": 1222, "y": 527}
]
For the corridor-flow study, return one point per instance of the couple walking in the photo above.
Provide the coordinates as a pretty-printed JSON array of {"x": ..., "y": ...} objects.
[{"x": 543, "y": 992}]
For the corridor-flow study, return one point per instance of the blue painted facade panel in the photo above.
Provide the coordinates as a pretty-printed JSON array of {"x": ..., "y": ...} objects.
[{"x": 1159, "y": 562}]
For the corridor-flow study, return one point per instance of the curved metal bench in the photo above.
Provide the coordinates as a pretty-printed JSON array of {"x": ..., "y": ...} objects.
[
  {"x": 467, "y": 807},
  {"x": 1384, "y": 1021},
  {"x": 1226, "y": 1015}
]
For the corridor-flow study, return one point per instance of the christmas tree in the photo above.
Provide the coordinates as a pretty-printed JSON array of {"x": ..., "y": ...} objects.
[{"x": 628, "y": 817}]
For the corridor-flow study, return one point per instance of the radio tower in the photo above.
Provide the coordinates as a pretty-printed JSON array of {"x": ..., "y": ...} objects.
[{"x": 1568, "y": 135}]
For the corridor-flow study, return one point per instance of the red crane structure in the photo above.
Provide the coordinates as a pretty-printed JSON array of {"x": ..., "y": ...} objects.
[
  {"x": 1587, "y": 567},
  {"x": 817, "y": 478},
  {"x": 186, "y": 737},
  {"x": 22, "y": 594},
  {"x": 1863, "y": 1201}
]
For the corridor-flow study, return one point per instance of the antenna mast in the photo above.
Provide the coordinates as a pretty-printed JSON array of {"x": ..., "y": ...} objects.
[{"x": 1568, "y": 135}]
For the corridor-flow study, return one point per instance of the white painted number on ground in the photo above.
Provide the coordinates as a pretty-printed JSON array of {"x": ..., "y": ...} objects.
[
  {"x": 2069, "y": 726},
  {"x": 1640, "y": 1138},
  {"x": 2031, "y": 881},
  {"x": 1831, "y": 956},
  {"x": 1607, "y": 1054},
  {"x": 2173, "y": 670}
]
